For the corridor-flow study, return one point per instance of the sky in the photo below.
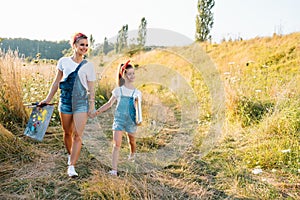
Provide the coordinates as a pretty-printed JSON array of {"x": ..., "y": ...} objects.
[{"x": 56, "y": 20}]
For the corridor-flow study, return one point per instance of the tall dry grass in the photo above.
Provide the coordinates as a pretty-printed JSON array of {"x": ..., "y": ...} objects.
[
  {"x": 12, "y": 110},
  {"x": 22, "y": 83}
]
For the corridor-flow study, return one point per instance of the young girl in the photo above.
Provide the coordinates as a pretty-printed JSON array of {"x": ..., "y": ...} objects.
[{"x": 124, "y": 117}]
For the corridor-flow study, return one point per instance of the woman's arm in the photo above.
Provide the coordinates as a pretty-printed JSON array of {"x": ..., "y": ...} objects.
[
  {"x": 54, "y": 87},
  {"x": 91, "y": 96}
]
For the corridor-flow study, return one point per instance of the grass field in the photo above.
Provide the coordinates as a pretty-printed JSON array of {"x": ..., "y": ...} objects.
[{"x": 221, "y": 121}]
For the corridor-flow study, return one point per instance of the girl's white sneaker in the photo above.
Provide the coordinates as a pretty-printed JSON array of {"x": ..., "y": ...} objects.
[
  {"x": 131, "y": 157},
  {"x": 113, "y": 172}
]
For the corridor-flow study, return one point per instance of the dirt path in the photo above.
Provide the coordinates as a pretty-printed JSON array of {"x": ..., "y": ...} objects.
[{"x": 157, "y": 145}]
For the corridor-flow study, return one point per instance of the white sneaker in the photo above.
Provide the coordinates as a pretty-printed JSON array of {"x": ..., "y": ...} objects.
[
  {"x": 71, "y": 171},
  {"x": 113, "y": 172},
  {"x": 69, "y": 159}
]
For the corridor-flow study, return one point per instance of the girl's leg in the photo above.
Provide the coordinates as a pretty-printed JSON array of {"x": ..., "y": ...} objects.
[
  {"x": 80, "y": 120},
  {"x": 67, "y": 125},
  {"x": 132, "y": 144},
  {"x": 117, "y": 141}
]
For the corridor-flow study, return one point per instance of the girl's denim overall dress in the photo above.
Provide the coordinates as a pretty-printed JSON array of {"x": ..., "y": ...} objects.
[{"x": 124, "y": 118}]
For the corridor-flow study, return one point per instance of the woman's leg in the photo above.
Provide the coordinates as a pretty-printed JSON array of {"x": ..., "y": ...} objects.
[
  {"x": 132, "y": 144},
  {"x": 67, "y": 125},
  {"x": 80, "y": 120},
  {"x": 117, "y": 141}
]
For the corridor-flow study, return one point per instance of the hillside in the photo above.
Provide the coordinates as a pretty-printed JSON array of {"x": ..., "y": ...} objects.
[{"x": 221, "y": 121}]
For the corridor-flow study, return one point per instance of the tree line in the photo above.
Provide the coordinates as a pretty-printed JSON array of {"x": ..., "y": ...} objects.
[{"x": 31, "y": 49}]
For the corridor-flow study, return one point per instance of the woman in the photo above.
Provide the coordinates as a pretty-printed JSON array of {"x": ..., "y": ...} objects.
[{"x": 77, "y": 101}]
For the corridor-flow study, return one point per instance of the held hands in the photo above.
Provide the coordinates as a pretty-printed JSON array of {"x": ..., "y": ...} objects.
[{"x": 94, "y": 113}]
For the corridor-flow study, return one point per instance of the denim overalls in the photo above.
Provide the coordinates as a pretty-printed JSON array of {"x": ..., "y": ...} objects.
[
  {"x": 80, "y": 101},
  {"x": 73, "y": 96},
  {"x": 124, "y": 118}
]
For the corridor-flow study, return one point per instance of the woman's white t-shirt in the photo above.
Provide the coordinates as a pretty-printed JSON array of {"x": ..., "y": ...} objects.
[{"x": 86, "y": 72}]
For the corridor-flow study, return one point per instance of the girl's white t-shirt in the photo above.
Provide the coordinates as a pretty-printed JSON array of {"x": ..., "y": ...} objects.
[
  {"x": 86, "y": 72},
  {"x": 126, "y": 92}
]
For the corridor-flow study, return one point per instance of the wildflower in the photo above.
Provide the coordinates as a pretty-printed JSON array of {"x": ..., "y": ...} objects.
[
  {"x": 286, "y": 151},
  {"x": 257, "y": 91},
  {"x": 257, "y": 171}
]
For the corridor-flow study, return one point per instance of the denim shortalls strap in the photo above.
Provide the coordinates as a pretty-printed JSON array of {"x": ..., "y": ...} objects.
[
  {"x": 68, "y": 82},
  {"x": 124, "y": 118}
]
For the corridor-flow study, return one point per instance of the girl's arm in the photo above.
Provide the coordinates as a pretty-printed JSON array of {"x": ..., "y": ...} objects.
[{"x": 106, "y": 106}]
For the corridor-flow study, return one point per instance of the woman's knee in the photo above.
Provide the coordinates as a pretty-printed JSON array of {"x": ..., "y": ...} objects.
[
  {"x": 68, "y": 133},
  {"x": 77, "y": 138}
]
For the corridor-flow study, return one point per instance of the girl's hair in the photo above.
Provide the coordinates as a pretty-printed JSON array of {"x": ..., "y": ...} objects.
[
  {"x": 76, "y": 37},
  {"x": 122, "y": 70}
]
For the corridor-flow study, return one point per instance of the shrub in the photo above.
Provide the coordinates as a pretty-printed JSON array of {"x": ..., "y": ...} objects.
[{"x": 251, "y": 111}]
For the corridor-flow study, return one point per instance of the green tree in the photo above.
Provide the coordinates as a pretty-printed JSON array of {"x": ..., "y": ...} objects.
[
  {"x": 125, "y": 36},
  {"x": 142, "y": 32},
  {"x": 204, "y": 20},
  {"x": 119, "y": 42},
  {"x": 105, "y": 48},
  {"x": 92, "y": 42},
  {"x": 92, "y": 45},
  {"x": 122, "y": 38}
]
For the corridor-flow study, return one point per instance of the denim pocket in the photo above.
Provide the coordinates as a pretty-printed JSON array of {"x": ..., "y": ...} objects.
[{"x": 65, "y": 96}]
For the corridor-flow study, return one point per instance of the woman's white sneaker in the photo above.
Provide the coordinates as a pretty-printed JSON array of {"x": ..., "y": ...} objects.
[{"x": 71, "y": 171}]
